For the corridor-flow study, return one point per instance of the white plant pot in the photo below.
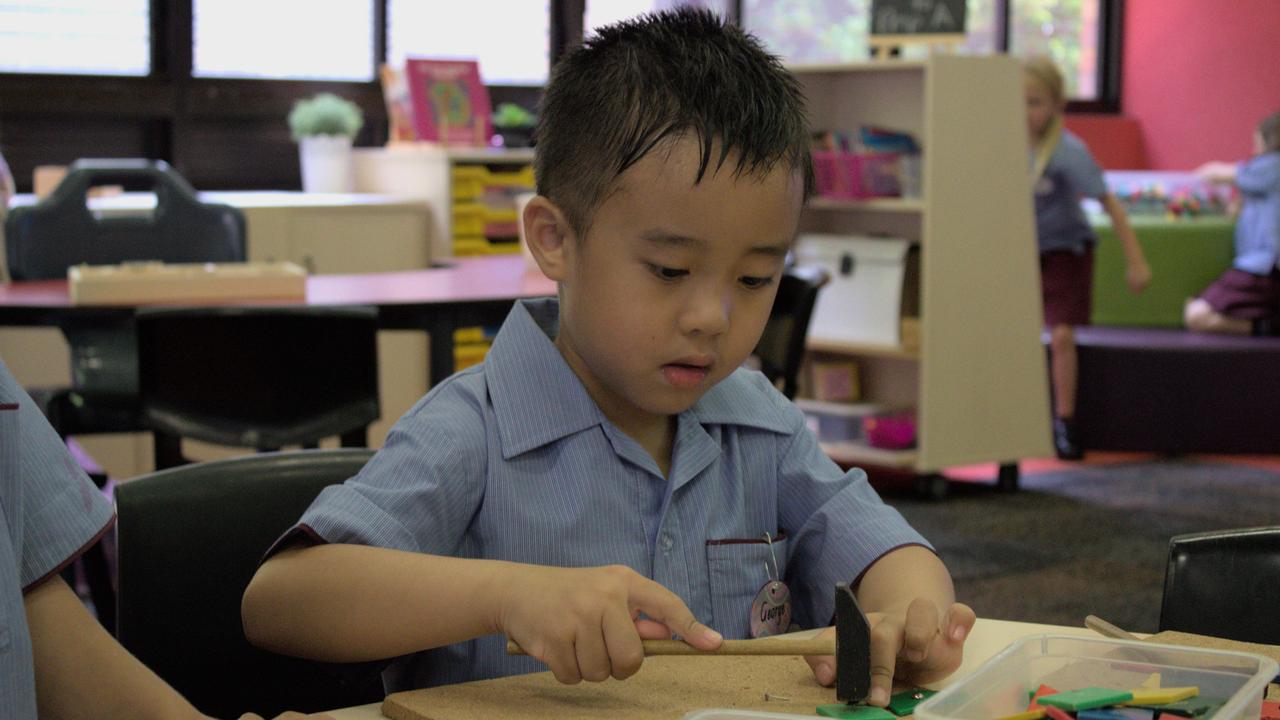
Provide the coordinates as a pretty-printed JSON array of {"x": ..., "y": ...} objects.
[{"x": 326, "y": 163}]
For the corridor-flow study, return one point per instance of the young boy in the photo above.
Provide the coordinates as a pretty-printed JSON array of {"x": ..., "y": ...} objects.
[
  {"x": 55, "y": 658},
  {"x": 609, "y": 473}
]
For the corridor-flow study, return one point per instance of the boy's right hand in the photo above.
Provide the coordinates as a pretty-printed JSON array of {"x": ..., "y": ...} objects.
[{"x": 584, "y": 622}]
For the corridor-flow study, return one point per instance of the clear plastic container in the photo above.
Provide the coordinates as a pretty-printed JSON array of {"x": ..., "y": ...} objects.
[
  {"x": 733, "y": 714},
  {"x": 1002, "y": 685}
]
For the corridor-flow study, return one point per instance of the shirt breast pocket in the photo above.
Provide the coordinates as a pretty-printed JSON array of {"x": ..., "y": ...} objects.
[{"x": 738, "y": 569}]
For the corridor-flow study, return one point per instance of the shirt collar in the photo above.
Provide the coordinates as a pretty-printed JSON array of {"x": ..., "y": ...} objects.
[{"x": 537, "y": 399}]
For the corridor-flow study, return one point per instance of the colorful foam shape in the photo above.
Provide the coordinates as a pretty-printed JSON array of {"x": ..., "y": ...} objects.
[
  {"x": 1116, "y": 713},
  {"x": 1039, "y": 693},
  {"x": 1086, "y": 699},
  {"x": 1054, "y": 713},
  {"x": 1162, "y": 696},
  {"x": 905, "y": 702},
  {"x": 845, "y": 711},
  {"x": 1036, "y": 714},
  {"x": 1192, "y": 707}
]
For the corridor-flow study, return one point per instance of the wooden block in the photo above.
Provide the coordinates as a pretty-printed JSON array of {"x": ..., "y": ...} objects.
[
  {"x": 1153, "y": 681},
  {"x": 155, "y": 282},
  {"x": 1086, "y": 699},
  {"x": 665, "y": 687},
  {"x": 1055, "y": 714},
  {"x": 1162, "y": 696},
  {"x": 1270, "y": 710}
]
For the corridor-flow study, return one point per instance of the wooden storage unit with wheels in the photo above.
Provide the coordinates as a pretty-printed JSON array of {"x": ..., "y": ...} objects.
[{"x": 977, "y": 378}]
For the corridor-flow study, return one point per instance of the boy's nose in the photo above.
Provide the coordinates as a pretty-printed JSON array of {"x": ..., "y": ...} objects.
[{"x": 707, "y": 312}]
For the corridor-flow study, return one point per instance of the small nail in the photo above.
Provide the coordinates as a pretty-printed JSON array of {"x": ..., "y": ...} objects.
[
  {"x": 915, "y": 655},
  {"x": 957, "y": 633},
  {"x": 879, "y": 696},
  {"x": 712, "y": 635}
]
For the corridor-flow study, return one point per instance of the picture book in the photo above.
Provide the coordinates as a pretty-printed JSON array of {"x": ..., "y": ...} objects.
[{"x": 450, "y": 103}]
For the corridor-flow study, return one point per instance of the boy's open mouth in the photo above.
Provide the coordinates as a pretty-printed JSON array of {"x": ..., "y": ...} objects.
[{"x": 685, "y": 375}]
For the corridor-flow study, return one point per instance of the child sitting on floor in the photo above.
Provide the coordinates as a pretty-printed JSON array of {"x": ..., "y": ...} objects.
[{"x": 1246, "y": 298}]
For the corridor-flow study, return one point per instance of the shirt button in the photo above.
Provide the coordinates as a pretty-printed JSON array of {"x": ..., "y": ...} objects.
[{"x": 666, "y": 542}]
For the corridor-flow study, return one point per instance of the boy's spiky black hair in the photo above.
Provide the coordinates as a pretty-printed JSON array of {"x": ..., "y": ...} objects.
[{"x": 639, "y": 83}]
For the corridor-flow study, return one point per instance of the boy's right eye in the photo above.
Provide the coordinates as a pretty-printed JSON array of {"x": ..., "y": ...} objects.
[{"x": 666, "y": 273}]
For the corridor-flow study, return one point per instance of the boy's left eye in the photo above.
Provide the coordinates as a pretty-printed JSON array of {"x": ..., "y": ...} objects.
[{"x": 755, "y": 283}]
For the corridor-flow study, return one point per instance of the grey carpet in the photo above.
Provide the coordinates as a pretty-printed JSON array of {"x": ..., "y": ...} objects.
[{"x": 1086, "y": 540}]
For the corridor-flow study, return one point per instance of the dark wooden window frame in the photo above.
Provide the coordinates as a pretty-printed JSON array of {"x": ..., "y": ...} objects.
[{"x": 171, "y": 115}]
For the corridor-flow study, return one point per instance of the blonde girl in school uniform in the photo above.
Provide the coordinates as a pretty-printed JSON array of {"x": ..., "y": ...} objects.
[{"x": 1063, "y": 173}]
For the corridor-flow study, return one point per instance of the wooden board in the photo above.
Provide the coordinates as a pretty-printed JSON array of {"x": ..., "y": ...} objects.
[
  {"x": 156, "y": 282},
  {"x": 1173, "y": 637},
  {"x": 665, "y": 687}
]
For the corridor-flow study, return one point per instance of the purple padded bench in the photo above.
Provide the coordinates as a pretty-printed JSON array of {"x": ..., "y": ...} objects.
[{"x": 1173, "y": 391}]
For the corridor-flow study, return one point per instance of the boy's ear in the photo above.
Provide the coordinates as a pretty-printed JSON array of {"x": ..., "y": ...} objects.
[{"x": 547, "y": 232}]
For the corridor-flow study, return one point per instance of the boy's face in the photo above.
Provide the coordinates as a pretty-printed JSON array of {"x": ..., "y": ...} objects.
[{"x": 672, "y": 286}]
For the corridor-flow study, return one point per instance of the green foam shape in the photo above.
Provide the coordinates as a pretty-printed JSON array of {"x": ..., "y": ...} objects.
[
  {"x": 905, "y": 702},
  {"x": 845, "y": 711},
  {"x": 1086, "y": 699}
]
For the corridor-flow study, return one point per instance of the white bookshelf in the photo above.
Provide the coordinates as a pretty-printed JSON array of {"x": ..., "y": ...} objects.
[{"x": 978, "y": 379}]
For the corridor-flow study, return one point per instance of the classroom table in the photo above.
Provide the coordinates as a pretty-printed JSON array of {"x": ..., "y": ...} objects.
[
  {"x": 461, "y": 292},
  {"x": 988, "y": 638}
]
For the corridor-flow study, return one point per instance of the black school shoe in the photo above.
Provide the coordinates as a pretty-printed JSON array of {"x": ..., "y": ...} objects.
[{"x": 1065, "y": 439}]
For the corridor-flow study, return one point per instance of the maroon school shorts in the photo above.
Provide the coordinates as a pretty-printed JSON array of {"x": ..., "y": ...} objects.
[
  {"x": 1066, "y": 284},
  {"x": 1243, "y": 295}
]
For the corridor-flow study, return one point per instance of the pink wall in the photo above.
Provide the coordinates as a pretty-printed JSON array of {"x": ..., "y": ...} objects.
[{"x": 1199, "y": 75}]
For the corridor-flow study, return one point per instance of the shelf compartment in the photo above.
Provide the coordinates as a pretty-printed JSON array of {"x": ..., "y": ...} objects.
[
  {"x": 880, "y": 204},
  {"x": 843, "y": 347},
  {"x": 857, "y": 453}
]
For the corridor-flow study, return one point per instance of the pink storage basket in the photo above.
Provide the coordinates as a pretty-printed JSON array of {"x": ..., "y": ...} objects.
[{"x": 844, "y": 175}]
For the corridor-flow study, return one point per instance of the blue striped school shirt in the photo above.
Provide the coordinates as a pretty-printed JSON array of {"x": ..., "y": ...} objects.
[
  {"x": 512, "y": 460},
  {"x": 49, "y": 512}
]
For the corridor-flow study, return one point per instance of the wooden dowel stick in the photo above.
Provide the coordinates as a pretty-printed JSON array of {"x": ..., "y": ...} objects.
[
  {"x": 1102, "y": 627},
  {"x": 780, "y": 646}
]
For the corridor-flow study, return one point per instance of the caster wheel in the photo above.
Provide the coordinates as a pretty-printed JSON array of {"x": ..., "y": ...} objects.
[
  {"x": 931, "y": 487},
  {"x": 1007, "y": 480}
]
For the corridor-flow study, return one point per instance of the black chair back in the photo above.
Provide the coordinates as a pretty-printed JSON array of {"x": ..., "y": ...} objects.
[
  {"x": 43, "y": 240},
  {"x": 259, "y": 377},
  {"x": 189, "y": 540},
  {"x": 1223, "y": 584},
  {"x": 781, "y": 346}
]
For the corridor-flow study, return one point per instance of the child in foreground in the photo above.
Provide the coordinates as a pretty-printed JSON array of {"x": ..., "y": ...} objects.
[{"x": 609, "y": 473}]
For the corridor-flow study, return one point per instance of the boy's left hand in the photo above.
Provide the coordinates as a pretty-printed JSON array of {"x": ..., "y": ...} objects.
[{"x": 914, "y": 648}]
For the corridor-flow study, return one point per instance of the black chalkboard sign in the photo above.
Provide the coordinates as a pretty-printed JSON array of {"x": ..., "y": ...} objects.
[{"x": 917, "y": 17}]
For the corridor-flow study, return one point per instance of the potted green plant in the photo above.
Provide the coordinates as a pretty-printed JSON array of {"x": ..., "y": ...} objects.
[
  {"x": 324, "y": 126},
  {"x": 515, "y": 124}
]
